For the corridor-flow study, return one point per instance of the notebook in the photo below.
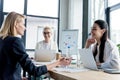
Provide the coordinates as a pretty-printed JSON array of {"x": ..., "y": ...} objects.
[
  {"x": 43, "y": 55},
  {"x": 87, "y": 59},
  {"x": 112, "y": 71}
]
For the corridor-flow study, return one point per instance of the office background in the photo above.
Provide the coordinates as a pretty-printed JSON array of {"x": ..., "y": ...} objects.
[{"x": 63, "y": 14}]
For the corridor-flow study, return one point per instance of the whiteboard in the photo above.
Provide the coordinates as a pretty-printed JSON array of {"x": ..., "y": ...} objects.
[{"x": 69, "y": 38}]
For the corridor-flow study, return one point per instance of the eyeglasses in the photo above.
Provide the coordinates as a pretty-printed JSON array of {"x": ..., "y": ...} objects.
[{"x": 46, "y": 32}]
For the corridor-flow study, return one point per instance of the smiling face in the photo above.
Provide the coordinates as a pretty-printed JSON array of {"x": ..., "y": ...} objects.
[
  {"x": 97, "y": 32},
  {"x": 47, "y": 34}
]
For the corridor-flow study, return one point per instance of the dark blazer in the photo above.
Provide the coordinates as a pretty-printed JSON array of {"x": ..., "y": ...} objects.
[{"x": 13, "y": 56}]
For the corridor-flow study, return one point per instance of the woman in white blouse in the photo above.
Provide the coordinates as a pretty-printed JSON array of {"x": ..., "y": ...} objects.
[
  {"x": 105, "y": 52},
  {"x": 48, "y": 42}
]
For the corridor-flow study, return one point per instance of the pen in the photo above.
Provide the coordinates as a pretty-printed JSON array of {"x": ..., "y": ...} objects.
[{"x": 71, "y": 59}]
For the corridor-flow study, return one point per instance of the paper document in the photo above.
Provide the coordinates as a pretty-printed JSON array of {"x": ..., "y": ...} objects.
[
  {"x": 70, "y": 69},
  {"x": 41, "y": 63}
]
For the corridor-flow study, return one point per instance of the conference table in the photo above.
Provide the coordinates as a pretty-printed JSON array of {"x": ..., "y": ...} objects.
[{"x": 84, "y": 75}]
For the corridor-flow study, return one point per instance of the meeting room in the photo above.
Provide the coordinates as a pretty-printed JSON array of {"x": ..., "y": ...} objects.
[{"x": 59, "y": 40}]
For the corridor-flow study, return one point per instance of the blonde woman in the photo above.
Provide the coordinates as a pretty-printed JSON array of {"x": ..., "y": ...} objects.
[
  {"x": 48, "y": 42},
  {"x": 12, "y": 51}
]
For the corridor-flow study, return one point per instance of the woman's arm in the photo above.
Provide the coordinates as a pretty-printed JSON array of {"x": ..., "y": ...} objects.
[
  {"x": 61, "y": 61},
  {"x": 111, "y": 57},
  {"x": 21, "y": 56},
  {"x": 89, "y": 42}
]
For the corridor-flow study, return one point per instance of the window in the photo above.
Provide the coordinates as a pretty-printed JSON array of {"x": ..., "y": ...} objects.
[
  {"x": 40, "y": 13},
  {"x": 115, "y": 26},
  {"x": 113, "y": 2},
  {"x": 43, "y": 7},
  {"x": 13, "y": 5},
  {"x": 114, "y": 11}
]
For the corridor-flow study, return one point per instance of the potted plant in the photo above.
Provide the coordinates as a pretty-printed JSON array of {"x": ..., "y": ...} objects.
[{"x": 118, "y": 45}]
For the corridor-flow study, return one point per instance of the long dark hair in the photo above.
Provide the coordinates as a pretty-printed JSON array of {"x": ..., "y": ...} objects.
[{"x": 103, "y": 25}]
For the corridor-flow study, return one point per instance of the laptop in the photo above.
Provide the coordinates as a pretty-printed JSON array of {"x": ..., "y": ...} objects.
[
  {"x": 87, "y": 59},
  {"x": 112, "y": 71},
  {"x": 43, "y": 55}
]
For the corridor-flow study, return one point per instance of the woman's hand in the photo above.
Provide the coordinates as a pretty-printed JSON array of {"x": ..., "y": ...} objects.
[
  {"x": 98, "y": 64},
  {"x": 24, "y": 78},
  {"x": 61, "y": 61},
  {"x": 89, "y": 42},
  {"x": 64, "y": 61}
]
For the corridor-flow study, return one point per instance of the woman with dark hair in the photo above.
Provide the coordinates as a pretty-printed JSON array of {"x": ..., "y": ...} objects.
[{"x": 105, "y": 52}]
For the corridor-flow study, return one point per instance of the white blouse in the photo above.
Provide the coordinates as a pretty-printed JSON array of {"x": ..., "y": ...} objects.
[
  {"x": 111, "y": 56},
  {"x": 49, "y": 46}
]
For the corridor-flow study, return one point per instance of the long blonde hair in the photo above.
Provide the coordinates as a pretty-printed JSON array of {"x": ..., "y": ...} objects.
[{"x": 8, "y": 25}]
